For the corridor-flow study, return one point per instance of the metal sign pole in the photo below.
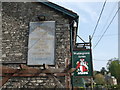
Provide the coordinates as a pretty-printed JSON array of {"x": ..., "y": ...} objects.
[{"x": 91, "y": 58}]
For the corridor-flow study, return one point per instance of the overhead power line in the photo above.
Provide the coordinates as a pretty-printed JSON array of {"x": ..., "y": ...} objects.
[
  {"x": 110, "y": 15},
  {"x": 98, "y": 20},
  {"x": 107, "y": 28},
  {"x": 107, "y": 35},
  {"x": 107, "y": 21}
]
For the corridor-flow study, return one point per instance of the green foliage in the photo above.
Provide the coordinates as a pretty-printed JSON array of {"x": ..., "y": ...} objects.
[
  {"x": 115, "y": 87},
  {"x": 114, "y": 68},
  {"x": 99, "y": 79}
]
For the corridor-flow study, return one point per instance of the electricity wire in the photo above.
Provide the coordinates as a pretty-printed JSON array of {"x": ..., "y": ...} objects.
[
  {"x": 107, "y": 35},
  {"x": 98, "y": 19},
  {"x": 106, "y": 28},
  {"x": 107, "y": 21}
]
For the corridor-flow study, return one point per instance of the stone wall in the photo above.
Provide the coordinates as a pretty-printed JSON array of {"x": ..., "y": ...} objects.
[
  {"x": 16, "y": 17},
  {"x": 0, "y": 33}
]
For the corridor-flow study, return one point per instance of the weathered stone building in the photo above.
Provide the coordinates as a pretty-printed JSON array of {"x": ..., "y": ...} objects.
[{"x": 16, "y": 18}]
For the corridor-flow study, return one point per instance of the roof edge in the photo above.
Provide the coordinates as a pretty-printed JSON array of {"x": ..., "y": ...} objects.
[{"x": 61, "y": 9}]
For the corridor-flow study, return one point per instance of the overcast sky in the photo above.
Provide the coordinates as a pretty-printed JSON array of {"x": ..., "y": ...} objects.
[{"x": 88, "y": 15}]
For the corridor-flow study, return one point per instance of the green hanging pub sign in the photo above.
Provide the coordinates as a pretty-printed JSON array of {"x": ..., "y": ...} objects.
[{"x": 82, "y": 61}]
